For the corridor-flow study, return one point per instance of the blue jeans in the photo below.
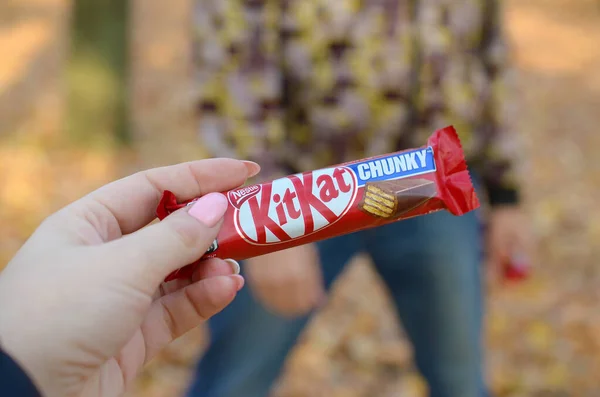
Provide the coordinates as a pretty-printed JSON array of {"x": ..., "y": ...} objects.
[{"x": 432, "y": 267}]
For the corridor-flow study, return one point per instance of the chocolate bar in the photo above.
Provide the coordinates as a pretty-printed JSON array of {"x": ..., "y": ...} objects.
[
  {"x": 392, "y": 198},
  {"x": 315, "y": 205}
]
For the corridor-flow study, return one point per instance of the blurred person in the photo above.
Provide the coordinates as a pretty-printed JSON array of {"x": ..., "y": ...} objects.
[
  {"x": 82, "y": 306},
  {"x": 298, "y": 85}
]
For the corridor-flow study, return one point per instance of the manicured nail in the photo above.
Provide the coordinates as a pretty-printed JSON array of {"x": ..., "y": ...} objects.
[
  {"x": 234, "y": 265},
  {"x": 239, "y": 280},
  {"x": 252, "y": 167},
  {"x": 209, "y": 209}
]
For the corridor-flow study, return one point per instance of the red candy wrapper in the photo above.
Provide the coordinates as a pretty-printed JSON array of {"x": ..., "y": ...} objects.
[{"x": 341, "y": 199}]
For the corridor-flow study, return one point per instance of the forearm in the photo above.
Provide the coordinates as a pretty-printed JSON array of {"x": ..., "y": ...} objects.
[{"x": 504, "y": 149}]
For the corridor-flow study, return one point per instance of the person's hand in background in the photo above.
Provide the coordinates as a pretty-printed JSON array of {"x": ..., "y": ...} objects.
[
  {"x": 289, "y": 282},
  {"x": 82, "y": 304},
  {"x": 509, "y": 239}
]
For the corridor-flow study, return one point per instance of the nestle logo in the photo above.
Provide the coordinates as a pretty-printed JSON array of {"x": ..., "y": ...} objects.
[{"x": 239, "y": 196}]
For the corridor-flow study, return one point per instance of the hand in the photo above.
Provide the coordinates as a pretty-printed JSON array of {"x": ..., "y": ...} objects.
[
  {"x": 509, "y": 236},
  {"x": 82, "y": 307},
  {"x": 288, "y": 282}
]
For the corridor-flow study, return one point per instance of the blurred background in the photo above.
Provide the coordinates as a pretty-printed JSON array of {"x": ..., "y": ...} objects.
[{"x": 91, "y": 90}]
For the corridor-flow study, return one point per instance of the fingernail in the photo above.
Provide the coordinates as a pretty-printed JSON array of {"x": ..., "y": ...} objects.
[
  {"x": 234, "y": 265},
  {"x": 209, "y": 209},
  {"x": 252, "y": 167},
  {"x": 239, "y": 280}
]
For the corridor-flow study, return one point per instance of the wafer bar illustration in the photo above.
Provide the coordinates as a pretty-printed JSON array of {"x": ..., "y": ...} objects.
[{"x": 390, "y": 199}]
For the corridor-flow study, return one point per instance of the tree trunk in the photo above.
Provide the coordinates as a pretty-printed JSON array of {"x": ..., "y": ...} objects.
[{"x": 161, "y": 84}]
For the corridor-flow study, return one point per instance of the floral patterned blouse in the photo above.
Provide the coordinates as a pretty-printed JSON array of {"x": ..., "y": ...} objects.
[{"x": 302, "y": 84}]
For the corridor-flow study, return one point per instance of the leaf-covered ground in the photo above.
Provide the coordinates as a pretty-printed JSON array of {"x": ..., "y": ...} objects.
[{"x": 543, "y": 336}]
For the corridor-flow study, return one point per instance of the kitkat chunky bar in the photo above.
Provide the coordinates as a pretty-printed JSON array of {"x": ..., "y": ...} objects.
[{"x": 345, "y": 198}]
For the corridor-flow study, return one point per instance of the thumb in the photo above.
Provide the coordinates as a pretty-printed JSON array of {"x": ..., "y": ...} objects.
[{"x": 147, "y": 256}]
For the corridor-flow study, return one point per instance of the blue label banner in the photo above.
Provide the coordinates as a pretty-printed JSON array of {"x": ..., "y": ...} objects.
[{"x": 395, "y": 166}]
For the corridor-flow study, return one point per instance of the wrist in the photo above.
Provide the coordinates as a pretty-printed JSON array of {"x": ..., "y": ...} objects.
[{"x": 14, "y": 340}]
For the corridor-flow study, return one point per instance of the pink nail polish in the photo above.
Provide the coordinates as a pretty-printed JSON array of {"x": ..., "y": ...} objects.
[
  {"x": 209, "y": 209},
  {"x": 252, "y": 167}
]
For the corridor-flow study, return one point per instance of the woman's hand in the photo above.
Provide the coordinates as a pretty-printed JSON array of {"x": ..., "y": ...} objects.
[
  {"x": 289, "y": 282},
  {"x": 509, "y": 239},
  {"x": 82, "y": 306}
]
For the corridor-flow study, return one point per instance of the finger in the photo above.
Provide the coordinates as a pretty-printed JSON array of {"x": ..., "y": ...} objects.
[
  {"x": 132, "y": 201},
  {"x": 492, "y": 272},
  {"x": 302, "y": 292},
  {"x": 291, "y": 299},
  {"x": 320, "y": 296},
  {"x": 316, "y": 275},
  {"x": 306, "y": 298},
  {"x": 210, "y": 268},
  {"x": 299, "y": 303},
  {"x": 499, "y": 246},
  {"x": 171, "y": 286},
  {"x": 215, "y": 267},
  {"x": 175, "y": 314},
  {"x": 309, "y": 288},
  {"x": 523, "y": 241},
  {"x": 147, "y": 256}
]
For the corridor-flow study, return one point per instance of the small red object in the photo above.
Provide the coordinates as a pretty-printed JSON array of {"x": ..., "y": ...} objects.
[
  {"x": 317, "y": 205},
  {"x": 517, "y": 268}
]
